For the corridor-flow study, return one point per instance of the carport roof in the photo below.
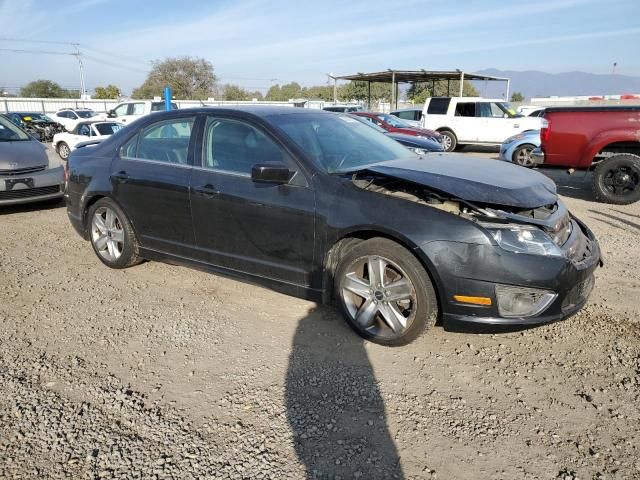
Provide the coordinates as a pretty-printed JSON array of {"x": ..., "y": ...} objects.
[{"x": 401, "y": 76}]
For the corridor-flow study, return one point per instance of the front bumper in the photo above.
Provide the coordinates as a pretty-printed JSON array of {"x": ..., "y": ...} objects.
[
  {"x": 475, "y": 270},
  {"x": 537, "y": 156},
  {"x": 32, "y": 187}
]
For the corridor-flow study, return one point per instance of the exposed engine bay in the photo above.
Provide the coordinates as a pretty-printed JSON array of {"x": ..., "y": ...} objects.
[
  {"x": 42, "y": 129},
  {"x": 553, "y": 219}
]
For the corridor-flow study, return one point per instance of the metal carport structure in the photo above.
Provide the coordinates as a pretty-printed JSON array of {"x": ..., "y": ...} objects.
[{"x": 396, "y": 77}]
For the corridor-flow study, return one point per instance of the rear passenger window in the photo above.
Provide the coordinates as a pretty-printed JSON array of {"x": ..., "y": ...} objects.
[
  {"x": 466, "y": 109},
  {"x": 166, "y": 141},
  {"x": 405, "y": 115},
  {"x": 438, "y": 106},
  {"x": 233, "y": 146}
]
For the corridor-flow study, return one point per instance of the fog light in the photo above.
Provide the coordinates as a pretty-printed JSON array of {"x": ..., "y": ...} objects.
[{"x": 522, "y": 302}]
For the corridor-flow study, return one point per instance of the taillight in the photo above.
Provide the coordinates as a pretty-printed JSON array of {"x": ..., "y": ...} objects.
[{"x": 545, "y": 130}]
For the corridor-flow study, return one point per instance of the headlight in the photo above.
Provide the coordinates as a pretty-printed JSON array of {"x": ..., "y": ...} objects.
[
  {"x": 418, "y": 151},
  {"x": 514, "y": 138},
  {"x": 523, "y": 239},
  {"x": 521, "y": 301}
]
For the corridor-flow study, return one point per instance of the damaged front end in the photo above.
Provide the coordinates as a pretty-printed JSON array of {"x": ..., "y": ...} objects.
[
  {"x": 43, "y": 130},
  {"x": 536, "y": 265}
]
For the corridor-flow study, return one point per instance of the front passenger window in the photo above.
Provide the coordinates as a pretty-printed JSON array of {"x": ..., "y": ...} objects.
[
  {"x": 235, "y": 147},
  {"x": 121, "y": 110}
]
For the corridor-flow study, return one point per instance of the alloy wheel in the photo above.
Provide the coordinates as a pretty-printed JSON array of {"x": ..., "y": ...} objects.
[
  {"x": 379, "y": 296},
  {"x": 64, "y": 151},
  {"x": 523, "y": 157},
  {"x": 107, "y": 234}
]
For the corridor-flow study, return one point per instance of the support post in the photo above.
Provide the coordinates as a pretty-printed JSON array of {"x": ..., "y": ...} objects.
[
  {"x": 448, "y": 87},
  {"x": 393, "y": 89},
  {"x": 335, "y": 90},
  {"x": 369, "y": 96},
  {"x": 397, "y": 88},
  {"x": 508, "y": 85},
  {"x": 461, "y": 82}
]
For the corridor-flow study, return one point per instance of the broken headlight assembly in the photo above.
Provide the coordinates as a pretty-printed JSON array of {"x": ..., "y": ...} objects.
[
  {"x": 523, "y": 239},
  {"x": 522, "y": 301}
]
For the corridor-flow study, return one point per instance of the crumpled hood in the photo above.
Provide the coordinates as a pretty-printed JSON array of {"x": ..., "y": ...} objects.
[
  {"x": 22, "y": 154},
  {"x": 476, "y": 180}
]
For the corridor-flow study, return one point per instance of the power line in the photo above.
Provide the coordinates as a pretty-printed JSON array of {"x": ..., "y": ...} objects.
[{"x": 46, "y": 52}]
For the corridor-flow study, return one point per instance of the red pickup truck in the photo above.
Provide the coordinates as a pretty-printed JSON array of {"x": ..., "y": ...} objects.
[{"x": 605, "y": 139}]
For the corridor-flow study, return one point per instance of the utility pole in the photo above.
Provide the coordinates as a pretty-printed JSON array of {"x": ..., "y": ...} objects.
[{"x": 78, "y": 55}]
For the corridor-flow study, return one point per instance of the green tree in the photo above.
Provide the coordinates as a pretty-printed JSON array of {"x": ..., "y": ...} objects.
[
  {"x": 235, "y": 92},
  {"x": 46, "y": 89},
  {"x": 190, "y": 78},
  {"x": 517, "y": 97},
  {"x": 284, "y": 93},
  {"x": 320, "y": 92},
  {"x": 108, "y": 92},
  {"x": 257, "y": 95},
  {"x": 360, "y": 91},
  {"x": 419, "y": 92}
]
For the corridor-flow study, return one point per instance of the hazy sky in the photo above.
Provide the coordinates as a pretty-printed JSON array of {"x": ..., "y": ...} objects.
[{"x": 256, "y": 43}]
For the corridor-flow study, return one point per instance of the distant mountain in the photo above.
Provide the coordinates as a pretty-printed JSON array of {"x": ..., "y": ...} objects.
[{"x": 533, "y": 83}]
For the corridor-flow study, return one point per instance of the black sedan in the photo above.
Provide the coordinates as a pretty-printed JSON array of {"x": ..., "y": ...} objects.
[{"x": 319, "y": 206}]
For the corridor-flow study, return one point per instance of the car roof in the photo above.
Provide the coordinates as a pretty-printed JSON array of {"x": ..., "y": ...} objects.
[
  {"x": 255, "y": 110},
  {"x": 412, "y": 109}
]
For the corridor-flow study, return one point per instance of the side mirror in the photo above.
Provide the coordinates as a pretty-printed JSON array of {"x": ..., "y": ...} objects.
[
  {"x": 275, "y": 172},
  {"x": 111, "y": 114}
]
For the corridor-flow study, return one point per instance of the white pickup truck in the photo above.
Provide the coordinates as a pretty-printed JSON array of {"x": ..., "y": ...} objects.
[
  {"x": 127, "y": 112},
  {"x": 473, "y": 121}
]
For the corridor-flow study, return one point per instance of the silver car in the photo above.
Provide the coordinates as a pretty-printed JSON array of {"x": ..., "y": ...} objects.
[
  {"x": 517, "y": 149},
  {"x": 26, "y": 175}
]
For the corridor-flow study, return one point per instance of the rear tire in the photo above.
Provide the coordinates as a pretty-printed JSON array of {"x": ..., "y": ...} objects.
[
  {"x": 617, "y": 179},
  {"x": 385, "y": 293},
  {"x": 111, "y": 235},
  {"x": 449, "y": 140}
]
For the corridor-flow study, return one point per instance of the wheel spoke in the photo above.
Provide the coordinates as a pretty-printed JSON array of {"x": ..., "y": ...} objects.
[
  {"x": 111, "y": 219},
  {"x": 392, "y": 317},
  {"x": 367, "y": 313},
  {"x": 98, "y": 221},
  {"x": 398, "y": 290},
  {"x": 355, "y": 284},
  {"x": 117, "y": 235},
  {"x": 101, "y": 242},
  {"x": 376, "y": 267},
  {"x": 111, "y": 246}
]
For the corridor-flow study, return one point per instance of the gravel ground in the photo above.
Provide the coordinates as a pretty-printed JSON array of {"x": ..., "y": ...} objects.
[{"x": 160, "y": 371}]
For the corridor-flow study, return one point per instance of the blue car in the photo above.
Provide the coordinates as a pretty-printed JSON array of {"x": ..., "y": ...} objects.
[{"x": 517, "y": 149}]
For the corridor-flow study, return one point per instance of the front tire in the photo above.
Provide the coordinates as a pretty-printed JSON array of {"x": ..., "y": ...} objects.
[
  {"x": 63, "y": 150},
  {"x": 522, "y": 156},
  {"x": 385, "y": 293},
  {"x": 617, "y": 179},
  {"x": 111, "y": 235},
  {"x": 449, "y": 140}
]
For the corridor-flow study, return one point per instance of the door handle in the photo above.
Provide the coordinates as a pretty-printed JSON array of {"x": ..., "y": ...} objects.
[
  {"x": 207, "y": 190},
  {"x": 121, "y": 177}
]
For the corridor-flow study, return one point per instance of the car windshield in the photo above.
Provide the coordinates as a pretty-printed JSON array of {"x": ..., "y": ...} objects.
[
  {"x": 108, "y": 128},
  {"x": 10, "y": 132},
  {"x": 339, "y": 143},
  {"x": 37, "y": 117},
  {"x": 86, "y": 113},
  {"x": 395, "y": 122}
]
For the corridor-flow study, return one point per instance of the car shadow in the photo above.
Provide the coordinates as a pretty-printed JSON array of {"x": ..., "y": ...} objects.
[
  {"x": 334, "y": 406},
  {"x": 577, "y": 185},
  {"x": 32, "y": 207}
]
